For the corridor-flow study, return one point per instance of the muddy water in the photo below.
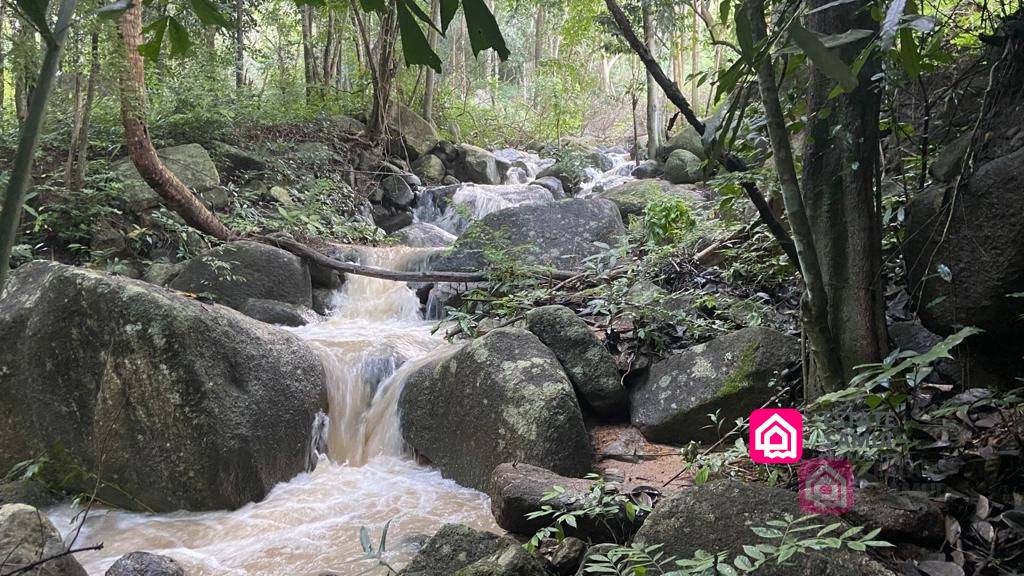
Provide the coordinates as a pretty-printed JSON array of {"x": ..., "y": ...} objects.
[{"x": 310, "y": 524}]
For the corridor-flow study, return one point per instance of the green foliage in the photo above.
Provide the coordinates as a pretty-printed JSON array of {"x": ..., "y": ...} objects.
[
  {"x": 668, "y": 220},
  {"x": 601, "y": 505}
]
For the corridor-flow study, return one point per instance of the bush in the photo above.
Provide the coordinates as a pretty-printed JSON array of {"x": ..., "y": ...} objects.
[{"x": 668, "y": 221}]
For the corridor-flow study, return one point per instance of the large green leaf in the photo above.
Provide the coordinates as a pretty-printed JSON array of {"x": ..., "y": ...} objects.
[
  {"x": 180, "y": 41},
  {"x": 419, "y": 13},
  {"x": 373, "y": 5},
  {"x": 35, "y": 12},
  {"x": 414, "y": 44},
  {"x": 448, "y": 10},
  {"x": 156, "y": 29},
  {"x": 483, "y": 29},
  {"x": 209, "y": 14},
  {"x": 826, "y": 60},
  {"x": 745, "y": 36}
]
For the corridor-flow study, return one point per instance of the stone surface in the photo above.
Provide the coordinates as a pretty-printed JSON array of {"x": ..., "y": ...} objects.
[
  {"x": 27, "y": 536},
  {"x": 553, "y": 185},
  {"x": 474, "y": 164},
  {"x": 648, "y": 169},
  {"x": 274, "y": 312},
  {"x": 234, "y": 159},
  {"x": 145, "y": 564},
  {"x": 235, "y": 272},
  {"x": 683, "y": 167},
  {"x": 430, "y": 169},
  {"x": 191, "y": 163},
  {"x": 590, "y": 366},
  {"x": 190, "y": 405},
  {"x": 685, "y": 139},
  {"x": 510, "y": 561},
  {"x": 397, "y": 191},
  {"x": 501, "y": 397},
  {"x": 417, "y": 135},
  {"x": 567, "y": 557},
  {"x": 454, "y": 546},
  {"x": 731, "y": 374},
  {"x": 719, "y": 516},
  {"x": 26, "y": 491},
  {"x": 558, "y": 234},
  {"x": 903, "y": 516},
  {"x": 423, "y": 235},
  {"x": 633, "y": 197}
]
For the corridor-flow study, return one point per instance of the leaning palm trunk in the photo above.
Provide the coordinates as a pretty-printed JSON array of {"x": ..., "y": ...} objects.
[
  {"x": 14, "y": 199},
  {"x": 136, "y": 134}
]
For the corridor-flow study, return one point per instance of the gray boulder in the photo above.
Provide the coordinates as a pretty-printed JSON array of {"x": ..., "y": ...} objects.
[
  {"x": 719, "y": 515},
  {"x": 685, "y": 139},
  {"x": 589, "y": 365},
  {"x": 510, "y": 561},
  {"x": 430, "y": 169},
  {"x": 633, "y": 197},
  {"x": 474, "y": 164},
  {"x": 731, "y": 374},
  {"x": 236, "y": 272},
  {"x": 191, "y": 163},
  {"x": 417, "y": 135},
  {"x": 902, "y": 516},
  {"x": 145, "y": 564},
  {"x": 648, "y": 169},
  {"x": 188, "y": 405},
  {"x": 558, "y": 234},
  {"x": 423, "y": 235},
  {"x": 453, "y": 547},
  {"x": 274, "y": 312},
  {"x": 26, "y": 537},
  {"x": 397, "y": 191},
  {"x": 553, "y": 185},
  {"x": 567, "y": 557},
  {"x": 683, "y": 167},
  {"x": 26, "y": 491},
  {"x": 235, "y": 159},
  {"x": 502, "y": 397}
]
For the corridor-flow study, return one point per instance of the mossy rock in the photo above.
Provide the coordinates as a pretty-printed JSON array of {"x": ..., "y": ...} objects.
[
  {"x": 191, "y": 163},
  {"x": 633, "y": 197}
]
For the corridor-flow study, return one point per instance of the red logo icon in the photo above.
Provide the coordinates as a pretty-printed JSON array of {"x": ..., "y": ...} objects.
[
  {"x": 776, "y": 436},
  {"x": 826, "y": 486}
]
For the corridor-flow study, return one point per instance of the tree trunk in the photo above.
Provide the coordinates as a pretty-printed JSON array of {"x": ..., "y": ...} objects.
[
  {"x": 3, "y": 58},
  {"x": 428, "y": 86},
  {"x": 695, "y": 54},
  {"x": 386, "y": 70},
  {"x": 24, "y": 69},
  {"x": 140, "y": 147},
  {"x": 80, "y": 148},
  {"x": 653, "y": 114},
  {"x": 824, "y": 353},
  {"x": 239, "y": 43},
  {"x": 840, "y": 155},
  {"x": 538, "y": 49},
  {"x": 76, "y": 124},
  {"x": 308, "y": 52}
]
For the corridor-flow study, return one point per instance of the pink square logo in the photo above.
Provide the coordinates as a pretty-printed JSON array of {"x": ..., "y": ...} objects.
[
  {"x": 776, "y": 436},
  {"x": 826, "y": 486}
]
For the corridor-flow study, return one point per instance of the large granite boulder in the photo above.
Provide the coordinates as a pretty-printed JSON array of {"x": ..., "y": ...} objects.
[
  {"x": 589, "y": 365},
  {"x": 145, "y": 564},
  {"x": 239, "y": 271},
  {"x": 416, "y": 135},
  {"x": 685, "y": 139},
  {"x": 633, "y": 197},
  {"x": 683, "y": 167},
  {"x": 187, "y": 405},
  {"x": 191, "y": 163},
  {"x": 474, "y": 164},
  {"x": 558, "y": 234},
  {"x": 26, "y": 491},
  {"x": 503, "y": 397},
  {"x": 731, "y": 374},
  {"x": 26, "y": 537},
  {"x": 510, "y": 561},
  {"x": 423, "y": 235},
  {"x": 451, "y": 548},
  {"x": 718, "y": 516},
  {"x": 430, "y": 169}
]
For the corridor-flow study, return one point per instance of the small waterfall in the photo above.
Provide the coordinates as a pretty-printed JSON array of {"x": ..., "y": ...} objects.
[{"x": 453, "y": 211}]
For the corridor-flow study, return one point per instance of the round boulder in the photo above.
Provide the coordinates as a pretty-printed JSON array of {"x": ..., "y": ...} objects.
[
  {"x": 26, "y": 537},
  {"x": 683, "y": 167},
  {"x": 145, "y": 564}
]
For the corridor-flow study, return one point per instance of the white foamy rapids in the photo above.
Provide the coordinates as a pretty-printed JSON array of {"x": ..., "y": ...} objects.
[
  {"x": 474, "y": 201},
  {"x": 304, "y": 527},
  {"x": 620, "y": 173},
  {"x": 310, "y": 524}
]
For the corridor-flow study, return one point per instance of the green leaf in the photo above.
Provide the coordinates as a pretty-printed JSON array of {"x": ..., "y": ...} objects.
[
  {"x": 180, "y": 41},
  {"x": 35, "y": 12},
  {"x": 364, "y": 540},
  {"x": 745, "y": 36},
  {"x": 826, "y": 60},
  {"x": 384, "y": 538},
  {"x": 725, "y": 6},
  {"x": 209, "y": 14},
  {"x": 373, "y": 5},
  {"x": 483, "y": 29},
  {"x": 415, "y": 47},
  {"x": 419, "y": 13},
  {"x": 448, "y": 10},
  {"x": 150, "y": 50},
  {"x": 114, "y": 10}
]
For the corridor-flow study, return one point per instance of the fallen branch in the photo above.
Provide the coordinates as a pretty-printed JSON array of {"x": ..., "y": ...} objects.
[{"x": 30, "y": 567}]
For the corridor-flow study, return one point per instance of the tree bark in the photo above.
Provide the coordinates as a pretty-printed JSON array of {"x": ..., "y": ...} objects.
[
  {"x": 386, "y": 69},
  {"x": 824, "y": 353},
  {"x": 79, "y": 154},
  {"x": 239, "y": 44},
  {"x": 308, "y": 51},
  {"x": 3, "y": 58},
  {"x": 428, "y": 85},
  {"x": 840, "y": 155},
  {"x": 653, "y": 114},
  {"x": 694, "y": 54},
  {"x": 136, "y": 132}
]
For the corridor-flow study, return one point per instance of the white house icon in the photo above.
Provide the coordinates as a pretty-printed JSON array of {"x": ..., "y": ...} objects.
[{"x": 776, "y": 439}]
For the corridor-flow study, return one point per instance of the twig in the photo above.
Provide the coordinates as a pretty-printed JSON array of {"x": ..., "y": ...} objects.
[{"x": 29, "y": 567}]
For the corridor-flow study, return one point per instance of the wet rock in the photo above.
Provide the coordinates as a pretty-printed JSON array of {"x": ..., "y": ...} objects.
[
  {"x": 633, "y": 197},
  {"x": 417, "y": 136},
  {"x": 511, "y": 561},
  {"x": 392, "y": 220},
  {"x": 423, "y": 235},
  {"x": 731, "y": 374},
  {"x": 27, "y": 536},
  {"x": 648, "y": 169},
  {"x": 397, "y": 191},
  {"x": 567, "y": 557},
  {"x": 553, "y": 185},
  {"x": 202, "y": 408},
  {"x": 145, "y": 564},
  {"x": 558, "y": 234},
  {"x": 718, "y": 516},
  {"x": 324, "y": 277},
  {"x": 274, "y": 312},
  {"x": 191, "y": 163},
  {"x": 685, "y": 139},
  {"x": 454, "y": 546},
  {"x": 430, "y": 169},
  {"x": 235, "y": 272},
  {"x": 450, "y": 180},
  {"x": 104, "y": 237},
  {"x": 473, "y": 164},
  {"x": 903, "y": 517},
  {"x": 446, "y": 151},
  {"x": 518, "y": 489},
  {"x": 949, "y": 161},
  {"x": 683, "y": 167},
  {"x": 589, "y": 365},
  {"x": 501, "y": 397},
  {"x": 26, "y": 491},
  {"x": 323, "y": 301}
]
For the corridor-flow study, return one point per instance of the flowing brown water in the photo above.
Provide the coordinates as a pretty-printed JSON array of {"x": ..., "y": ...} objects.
[{"x": 310, "y": 524}]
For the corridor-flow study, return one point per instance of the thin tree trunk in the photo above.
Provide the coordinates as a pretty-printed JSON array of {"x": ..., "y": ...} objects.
[
  {"x": 308, "y": 52},
  {"x": 21, "y": 172},
  {"x": 239, "y": 44},
  {"x": 386, "y": 69},
  {"x": 3, "y": 58},
  {"x": 653, "y": 114},
  {"x": 76, "y": 178},
  {"x": 428, "y": 85},
  {"x": 840, "y": 155},
  {"x": 76, "y": 124},
  {"x": 695, "y": 54},
  {"x": 824, "y": 352},
  {"x": 538, "y": 49},
  {"x": 327, "y": 68},
  {"x": 140, "y": 147}
]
